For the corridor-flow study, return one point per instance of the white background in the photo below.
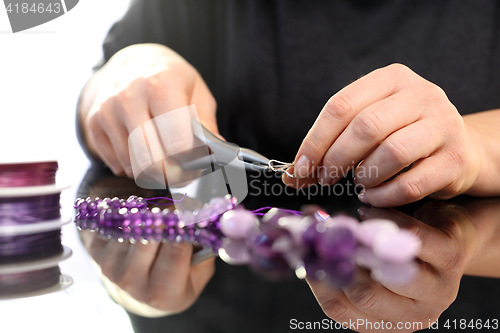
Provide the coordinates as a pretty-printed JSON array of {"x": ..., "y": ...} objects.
[{"x": 42, "y": 71}]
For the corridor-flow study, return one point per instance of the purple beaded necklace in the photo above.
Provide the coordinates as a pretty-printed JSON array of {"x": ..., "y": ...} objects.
[{"x": 311, "y": 244}]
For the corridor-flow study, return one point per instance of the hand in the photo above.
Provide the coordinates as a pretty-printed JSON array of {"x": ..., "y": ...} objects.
[
  {"x": 449, "y": 242},
  {"x": 150, "y": 280},
  {"x": 390, "y": 119},
  {"x": 139, "y": 83}
]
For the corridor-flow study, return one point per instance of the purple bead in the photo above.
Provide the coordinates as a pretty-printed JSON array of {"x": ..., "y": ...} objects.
[
  {"x": 148, "y": 218},
  {"x": 396, "y": 273},
  {"x": 262, "y": 243},
  {"x": 365, "y": 258},
  {"x": 82, "y": 207},
  {"x": 235, "y": 252},
  {"x": 237, "y": 224},
  {"x": 273, "y": 215},
  {"x": 220, "y": 205},
  {"x": 135, "y": 218},
  {"x": 141, "y": 203},
  {"x": 368, "y": 230},
  {"x": 345, "y": 221},
  {"x": 115, "y": 202},
  {"x": 335, "y": 243},
  {"x": 339, "y": 273},
  {"x": 398, "y": 247}
]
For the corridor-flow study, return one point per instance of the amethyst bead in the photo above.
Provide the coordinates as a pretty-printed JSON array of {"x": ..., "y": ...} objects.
[
  {"x": 397, "y": 247},
  {"x": 237, "y": 223},
  {"x": 335, "y": 243}
]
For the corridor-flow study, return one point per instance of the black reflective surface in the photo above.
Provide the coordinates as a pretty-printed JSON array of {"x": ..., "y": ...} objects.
[{"x": 237, "y": 300}]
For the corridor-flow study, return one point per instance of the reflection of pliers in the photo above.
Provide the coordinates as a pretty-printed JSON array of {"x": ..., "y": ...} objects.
[{"x": 222, "y": 153}]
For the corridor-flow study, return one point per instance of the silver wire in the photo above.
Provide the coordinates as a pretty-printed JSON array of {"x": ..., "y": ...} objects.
[{"x": 278, "y": 166}]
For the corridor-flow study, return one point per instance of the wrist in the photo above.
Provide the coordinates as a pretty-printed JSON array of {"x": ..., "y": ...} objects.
[{"x": 479, "y": 172}]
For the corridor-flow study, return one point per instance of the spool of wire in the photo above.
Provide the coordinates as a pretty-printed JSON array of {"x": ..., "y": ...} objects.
[
  {"x": 26, "y": 282},
  {"x": 30, "y": 247},
  {"x": 30, "y": 228},
  {"x": 33, "y": 209},
  {"x": 28, "y": 174}
]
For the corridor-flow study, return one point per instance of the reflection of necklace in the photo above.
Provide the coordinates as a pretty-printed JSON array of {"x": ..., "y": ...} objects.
[{"x": 312, "y": 244}]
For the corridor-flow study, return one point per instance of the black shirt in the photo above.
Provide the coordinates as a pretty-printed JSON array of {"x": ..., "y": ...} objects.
[{"x": 273, "y": 64}]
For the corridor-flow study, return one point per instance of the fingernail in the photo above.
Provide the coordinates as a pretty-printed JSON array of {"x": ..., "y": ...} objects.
[
  {"x": 362, "y": 197},
  {"x": 301, "y": 169},
  {"x": 324, "y": 180},
  {"x": 363, "y": 211},
  {"x": 287, "y": 180}
]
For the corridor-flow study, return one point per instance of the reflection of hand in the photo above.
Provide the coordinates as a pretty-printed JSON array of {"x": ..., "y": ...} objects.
[
  {"x": 139, "y": 83},
  {"x": 447, "y": 247},
  {"x": 390, "y": 119},
  {"x": 150, "y": 280}
]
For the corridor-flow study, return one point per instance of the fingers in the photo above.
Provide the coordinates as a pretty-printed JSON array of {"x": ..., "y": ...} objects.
[
  {"x": 364, "y": 133},
  {"x": 336, "y": 305},
  {"x": 101, "y": 144},
  {"x": 339, "y": 111},
  {"x": 424, "y": 178},
  {"x": 168, "y": 284},
  {"x": 402, "y": 148}
]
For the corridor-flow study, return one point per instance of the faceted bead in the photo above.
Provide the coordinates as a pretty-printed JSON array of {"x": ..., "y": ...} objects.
[
  {"x": 398, "y": 247},
  {"x": 235, "y": 252},
  {"x": 344, "y": 221},
  {"x": 220, "y": 205},
  {"x": 367, "y": 230},
  {"x": 237, "y": 223},
  {"x": 335, "y": 243},
  {"x": 339, "y": 273},
  {"x": 273, "y": 215},
  {"x": 365, "y": 258},
  {"x": 263, "y": 242},
  {"x": 395, "y": 273}
]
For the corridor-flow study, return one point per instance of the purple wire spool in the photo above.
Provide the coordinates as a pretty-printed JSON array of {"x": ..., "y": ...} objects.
[
  {"x": 32, "y": 209},
  {"x": 28, "y": 282},
  {"x": 23, "y": 248},
  {"x": 28, "y": 174}
]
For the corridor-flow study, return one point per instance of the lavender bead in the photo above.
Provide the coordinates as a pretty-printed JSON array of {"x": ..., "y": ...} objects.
[
  {"x": 235, "y": 252},
  {"x": 395, "y": 273},
  {"x": 398, "y": 247},
  {"x": 237, "y": 224},
  {"x": 335, "y": 243},
  {"x": 368, "y": 230},
  {"x": 339, "y": 273},
  {"x": 345, "y": 221}
]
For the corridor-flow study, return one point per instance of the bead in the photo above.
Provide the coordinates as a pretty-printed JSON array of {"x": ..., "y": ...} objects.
[
  {"x": 335, "y": 243},
  {"x": 398, "y": 247},
  {"x": 235, "y": 252},
  {"x": 367, "y": 230},
  {"x": 395, "y": 273},
  {"x": 237, "y": 223}
]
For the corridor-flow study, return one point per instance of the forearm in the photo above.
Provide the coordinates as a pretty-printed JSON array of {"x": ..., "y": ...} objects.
[{"x": 483, "y": 127}]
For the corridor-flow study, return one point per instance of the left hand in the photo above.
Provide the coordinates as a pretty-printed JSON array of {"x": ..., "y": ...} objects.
[
  {"x": 449, "y": 244},
  {"x": 389, "y": 119}
]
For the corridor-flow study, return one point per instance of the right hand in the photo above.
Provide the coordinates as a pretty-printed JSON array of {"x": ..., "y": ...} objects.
[{"x": 137, "y": 84}]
